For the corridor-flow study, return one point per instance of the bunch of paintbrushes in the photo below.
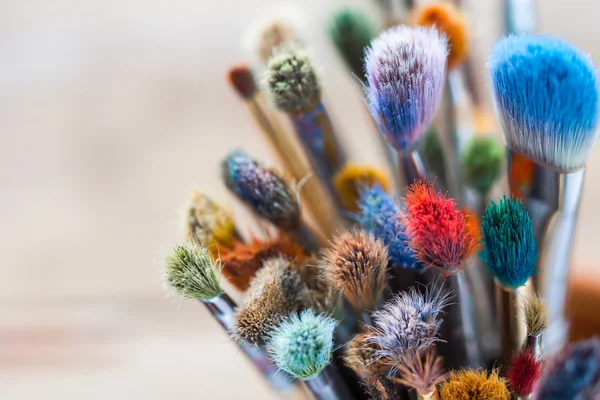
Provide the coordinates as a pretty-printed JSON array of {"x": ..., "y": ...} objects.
[{"x": 440, "y": 289}]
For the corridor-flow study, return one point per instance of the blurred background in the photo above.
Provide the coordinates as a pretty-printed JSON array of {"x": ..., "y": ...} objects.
[{"x": 110, "y": 110}]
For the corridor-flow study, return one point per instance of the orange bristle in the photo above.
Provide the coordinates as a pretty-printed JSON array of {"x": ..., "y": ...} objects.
[{"x": 242, "y": 80}]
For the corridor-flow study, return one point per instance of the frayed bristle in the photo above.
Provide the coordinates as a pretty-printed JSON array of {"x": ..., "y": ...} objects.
[
  {"x": 572, "y": 374},
  {"x": 524, "y": 373},
  {"x": 243, "y": 260},
  {"x": 351, "y": 178},
  {"x": 359, "y": 355},
  {"x": 536, "y": 315},
  {"x": 351, "y": 31},
  {"x": 406, "y": 69},
  {"x": 208, "y": 223},
  {"x": 448, "y": 19},
  {"x": 407, "y": 324},
  {"x": 482, "y": 162},
  {"x": 378, "y": 215},
  {"x": 469, "y": 384},
  {"x": 276, "y": 291},
  {"x": 261, "y": 188},
  {"x": 291, "y": 81},
  {"x": 192, "y": 272},
  {"x": 242, "y": 80},
  {"x": 422, "y": 372},
  {"x": 356, "y": 264},
  {"x": 303, "y": 345},
  {"x": 509, "y": 247},
  {"x": 436, "y": 229},
  {"x": 546, "y": 93}
]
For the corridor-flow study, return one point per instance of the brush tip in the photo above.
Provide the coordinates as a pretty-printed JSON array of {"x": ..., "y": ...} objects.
[
  {"x": 240, "y": 77},
  {"x": 536, "y": 315},
  {"x": 422, "y": 372},
  {"x": 509, "y": 247},
  {"x": 208, "y": 223},
  {"x": 524, "y": 373},
  {"x": 475, "y": 385},
  {"x": 482, "y": 161},
  {"x": 291, "y": 81},
  {"x": 405, "y": 69},
  {"x": 546, "y": 93},
  {"x": 302, "y": 345},
  {"x": 351, "y": 178}
]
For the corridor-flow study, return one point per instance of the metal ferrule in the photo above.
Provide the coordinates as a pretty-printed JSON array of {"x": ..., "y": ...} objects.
[
  {"x": 511, "y": 325},
  {"x": 520, "y": 16},
  {"x": 410, "y": 167},
  {"x": 429, "y": 396},
  {"x": 552, "y": 199},
  {"x": 526, "y": 397},
  {"x": 535, "y": 344},
  {"x": 328, "y": 385}
]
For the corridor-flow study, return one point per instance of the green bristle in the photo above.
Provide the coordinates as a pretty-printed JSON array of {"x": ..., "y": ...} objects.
[{"x": 482, "y": 161}]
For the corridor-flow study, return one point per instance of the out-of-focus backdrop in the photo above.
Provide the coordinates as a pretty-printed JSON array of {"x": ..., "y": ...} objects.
[{"x": 109, "y": 111}]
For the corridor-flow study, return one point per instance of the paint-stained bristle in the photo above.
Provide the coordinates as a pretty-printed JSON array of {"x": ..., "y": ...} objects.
[
  {"x": 276, "y": 291},
  {"x": 359, "y": 355},
  {"x": 291, "y": 81},
  {"x": 536, "y": 315},
  {"x": 509, "y": 247},
  {"x": 524, "y": 373},
  {"x": 208, "y": 223},
  {"x": 449, "y": 20},
  {"x": 191, "y": 271},
  {"x": 436, "y": 229},
  {"x": 351, "y": 31},
  {"x": 406, "y": 68},
  {"x": 356, "y": 265},
  {"x": 242, "y": 80},
  {"x": 378, "y": 215},
  {"x": 408, "y": 323},
  {"x": 351, "y": 178},
  {"x": 482, "y": 163},
  {"x": 261, "y": 188},
  {"x": 243, "y": 260},
  {"x": 546, "y": 93},
  {"x": 469, "y": 384},
  {"x": 422, "y": 372},
  {"x": 303, "y": 345},
  {"x": 573, "y": 374}
]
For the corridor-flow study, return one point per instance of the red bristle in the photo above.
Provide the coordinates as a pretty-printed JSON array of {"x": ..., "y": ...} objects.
[
  {"x": 242, "y": 80},
  {"x": 524, "y": 373},
  {"x": 436, "y": 229}
]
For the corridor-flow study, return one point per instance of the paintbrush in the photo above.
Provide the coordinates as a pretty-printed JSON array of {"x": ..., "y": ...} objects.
[
  {"x": 314, "y": 196},
  {"x": 523, "y": 374},
  {"x": 519, "y": 17},
  {"x": 405, "y": 73},
  {"x": 572, "y": 374},
  {"x": 470, "y": 384},
  {"x": 536, "y": 320},
  {"x": 510, "y": 252},
  {"x": 423, "y": 372},
  {"x": 547, "y": 100},
  {"x": 351, "y": 178},
  {"x": 293, "y": 86},
  {"x": 302, "y": 345},
  {"x": 267, "y": 194},
  {"x": 192, "y": 272},
  {"x": 441, "y": 240}
]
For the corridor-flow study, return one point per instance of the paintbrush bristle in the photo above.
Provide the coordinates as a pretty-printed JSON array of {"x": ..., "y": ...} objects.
[
  {"x": 351, "y": 31},
  {"x": 572, "y": 374},
  {"x": 349, "y": 180},
  {"x": 378, "y": 215},
  {"x": 240, "y": 77},
  {"x": 192, "y": 272},
  {"x": 546, "y": 94},
  {"x": 261, "y": 188},
  {"x": 482, "y": 163},
  {"x": 243, "y": 260},
  {"x": 422, "y": 372},
  {"x": 278, "y": 26},
  {"x": 208, "y": 223},
  {"x": 405, "y": 68},
  {"x": 469, "y": 384},
  {"x": 291, "y": 81},
  {"x": 359, "y": 355},
  {"x": 524, "y": 373},
  {"x": 303, "y": 345},
  {"x": 437, "y": 229},
  {"x": 536, "y": 315},
  {"x": 509, "y": 247},
  {"x": 356, "y": 264},
  {"x": 276, "y": 291},
  {"x": 408, "y": 323},
  {"x": 449, "y": 20}
]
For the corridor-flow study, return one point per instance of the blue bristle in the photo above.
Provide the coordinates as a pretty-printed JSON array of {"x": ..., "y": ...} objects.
[
  {"x": 379, "y": 216},
  {"x": 509, "y": 247},
  {"x": 574, "y": 374},
  {"x": 546, "y": 93}
]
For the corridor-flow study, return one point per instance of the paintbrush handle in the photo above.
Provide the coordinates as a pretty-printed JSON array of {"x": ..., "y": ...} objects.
[
  {"x": 328, "y": 385},
  {"x": 411, "y": 167},
  {"x": 510, "y": 323},
  {"x": 520, "y": 16}
]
